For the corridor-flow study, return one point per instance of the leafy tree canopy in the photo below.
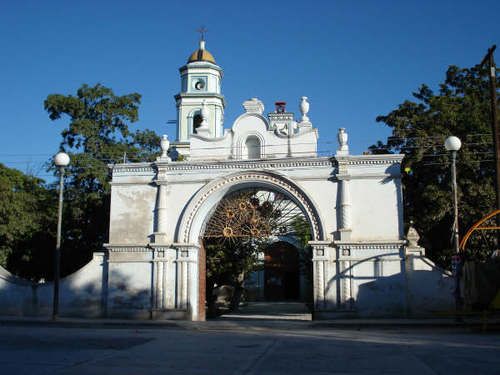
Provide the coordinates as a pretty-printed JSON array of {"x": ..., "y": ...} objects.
[
  {"x": 98, "y": 134},
  {"x": 460, "y": 107},
  {"x": 27, "y": 224}
]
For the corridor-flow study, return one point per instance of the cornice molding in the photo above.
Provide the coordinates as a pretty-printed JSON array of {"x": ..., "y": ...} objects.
[
  {"x": 120, "y": 248},
  {"x": 250, "y": 164},
  {"x": 355, "y": 160},
  {"x": 365, "y": 176},
  {"x": 200, "y": 65},
  {"x": 143, "y": 169},
  {"x": 369, "y": 245},
  {"x": 150, "y": 169},
  {"x": 199, "y": 95}
]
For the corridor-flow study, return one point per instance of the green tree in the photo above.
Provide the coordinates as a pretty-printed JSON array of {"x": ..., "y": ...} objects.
[
  {"x": 97, "y": 135},
  {"x": 460, "y": 107},
  {"x": 27, "y": 224},
  {"x": 229, "y": 263}
]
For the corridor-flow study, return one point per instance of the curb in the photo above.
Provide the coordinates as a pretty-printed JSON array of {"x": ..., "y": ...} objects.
[{"x": 249, "y": 324}]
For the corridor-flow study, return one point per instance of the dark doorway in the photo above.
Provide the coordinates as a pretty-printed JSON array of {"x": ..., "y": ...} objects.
[{"x": 281, "y": 272}]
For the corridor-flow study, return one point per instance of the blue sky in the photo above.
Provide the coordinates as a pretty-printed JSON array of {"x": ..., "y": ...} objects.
[{"x": 353, "y": 59}]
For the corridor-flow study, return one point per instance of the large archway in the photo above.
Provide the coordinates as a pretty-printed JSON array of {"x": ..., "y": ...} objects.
[
  {"x": 256, "y": 247},
  {"x": 203, "y": 206}
]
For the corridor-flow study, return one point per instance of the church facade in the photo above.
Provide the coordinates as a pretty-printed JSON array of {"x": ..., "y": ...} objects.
[{"x": 154, "y": 264}]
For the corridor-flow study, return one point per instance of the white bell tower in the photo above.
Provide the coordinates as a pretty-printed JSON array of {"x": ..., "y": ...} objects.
[{"x": 200, "y": 105}]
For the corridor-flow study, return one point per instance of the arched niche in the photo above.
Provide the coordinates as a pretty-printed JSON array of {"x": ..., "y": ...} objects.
[
  {"x": 252, "y": 148},
  {"x": 194, "y": 120}
]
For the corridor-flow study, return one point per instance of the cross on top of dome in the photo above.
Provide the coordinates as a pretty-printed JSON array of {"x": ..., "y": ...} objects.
[{"x": 201, "y": 54}]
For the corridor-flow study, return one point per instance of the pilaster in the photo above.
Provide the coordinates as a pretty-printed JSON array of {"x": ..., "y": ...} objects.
[
  {"x": 187, "y": 278},
  {"x": 320, "y": 259},
  {"x": 163, "y": 285}
]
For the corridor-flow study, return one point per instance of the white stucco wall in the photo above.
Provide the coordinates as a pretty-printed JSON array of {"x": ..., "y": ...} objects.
[
  {"x": 80, "y": 294},
  {"x": 376, "y": 210},
  {"x": 132, "y": 213}
]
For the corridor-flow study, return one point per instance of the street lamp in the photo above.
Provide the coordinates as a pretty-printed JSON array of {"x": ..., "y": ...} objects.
[
  {"x": 453, "y": 144},
  {"x": 61, "y": 160}
]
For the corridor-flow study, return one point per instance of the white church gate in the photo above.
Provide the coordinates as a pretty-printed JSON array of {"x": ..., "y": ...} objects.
[
  {"x": 201, "y": 206},
  {"x": 352, "y": 204},
  {"x": 151, "y": 267}
]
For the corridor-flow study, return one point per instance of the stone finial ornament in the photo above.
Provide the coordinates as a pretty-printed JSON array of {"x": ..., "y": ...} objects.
[
  {"x": 342, "y": 137},
  {"x": 412, "y": 236},
  {"x": 164, "y": 145},
  {"x": 304, "y": 109},
  {"x": 253, "y": 105},
  {"x": 305, "y": 124}
]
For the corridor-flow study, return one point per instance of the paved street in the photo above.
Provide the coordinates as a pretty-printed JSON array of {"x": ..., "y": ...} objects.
[{"x": 246, "y": 348}]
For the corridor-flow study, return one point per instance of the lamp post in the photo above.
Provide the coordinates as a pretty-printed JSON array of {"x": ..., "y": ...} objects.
[
  {"x": 61, "y": 160},
  {"x": 453, "y": 144}
]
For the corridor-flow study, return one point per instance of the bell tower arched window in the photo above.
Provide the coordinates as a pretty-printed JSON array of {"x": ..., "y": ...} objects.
[{"x": 197, "y": 119}]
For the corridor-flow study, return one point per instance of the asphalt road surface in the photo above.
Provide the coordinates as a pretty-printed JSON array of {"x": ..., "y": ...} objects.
[{"x": 246, "y": 349}]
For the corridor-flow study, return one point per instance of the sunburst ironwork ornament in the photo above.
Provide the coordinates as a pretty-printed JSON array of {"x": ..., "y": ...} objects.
[{"x": 253, "y": 214}]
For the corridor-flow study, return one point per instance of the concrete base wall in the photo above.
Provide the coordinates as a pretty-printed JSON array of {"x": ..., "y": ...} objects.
[
  {"x": 81, "y": 293},
  {"x": 385, "y": 286},
  {"x": 381, "y": 286}
]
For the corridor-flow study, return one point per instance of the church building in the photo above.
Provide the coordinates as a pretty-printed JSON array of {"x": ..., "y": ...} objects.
[{"x": 260, "y": 176}]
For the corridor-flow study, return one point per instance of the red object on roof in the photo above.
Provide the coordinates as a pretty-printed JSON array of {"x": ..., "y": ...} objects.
[{"x": 280, "y": 107}]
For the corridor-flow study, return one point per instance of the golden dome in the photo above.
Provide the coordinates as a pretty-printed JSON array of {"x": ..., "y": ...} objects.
[{"x": 201, "y": 54}]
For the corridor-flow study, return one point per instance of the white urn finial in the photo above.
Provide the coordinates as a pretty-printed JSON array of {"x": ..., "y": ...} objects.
[
  {"x": 304, "y": 108},
  {"x": 412, "y": 236},
  {"x": 342, "y": 138},
  {"x": 164, "y": 145}
]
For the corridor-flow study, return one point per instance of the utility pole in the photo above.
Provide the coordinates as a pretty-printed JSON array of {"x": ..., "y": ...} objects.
[{"x": 489, "y": 59}]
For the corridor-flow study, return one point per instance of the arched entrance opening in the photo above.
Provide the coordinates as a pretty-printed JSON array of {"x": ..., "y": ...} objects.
[
  {"x": 255, "y": 242},
  {"x": 191, "y": 230}
]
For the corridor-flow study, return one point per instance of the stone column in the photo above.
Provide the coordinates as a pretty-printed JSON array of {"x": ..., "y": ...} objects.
[
  {"x": 342, "y": 155},
  {"x": 160, "y": 235},
  {"x": 345, "y": 203},
  {"x": 345, "y": 227}
]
